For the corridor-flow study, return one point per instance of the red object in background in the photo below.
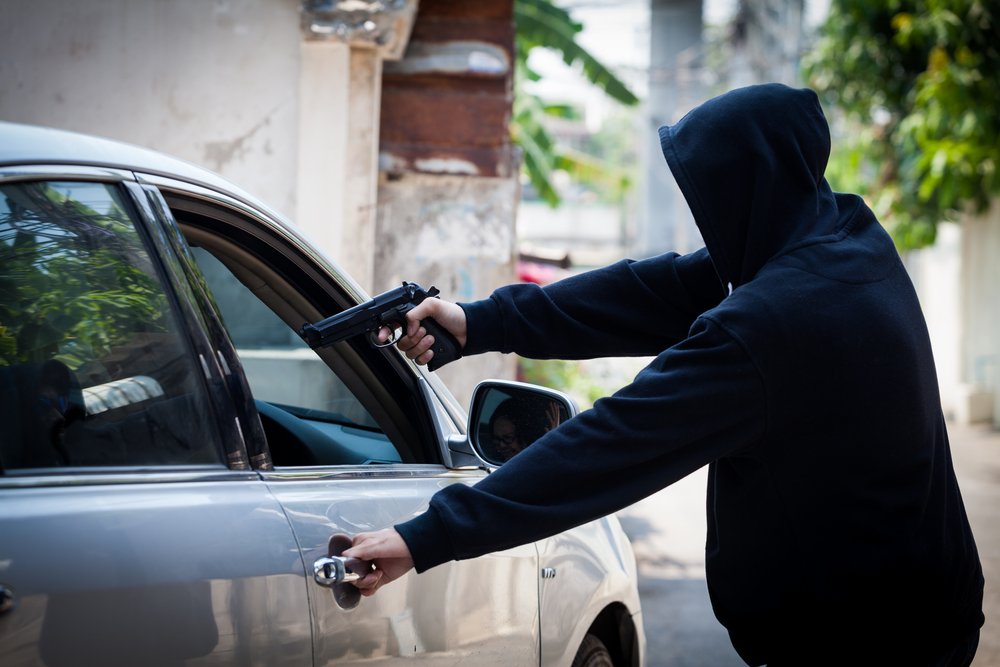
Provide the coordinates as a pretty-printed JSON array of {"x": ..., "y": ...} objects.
[{"x": 540, "y": 274}]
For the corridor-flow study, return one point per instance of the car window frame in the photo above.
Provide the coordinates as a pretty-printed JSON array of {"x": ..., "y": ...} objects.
[
  {"x": 327, "y": 289},
  {"x": 232, "y": 392}
]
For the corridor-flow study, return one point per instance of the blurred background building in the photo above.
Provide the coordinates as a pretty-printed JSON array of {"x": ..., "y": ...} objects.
[{"x": 382, "y": 130}]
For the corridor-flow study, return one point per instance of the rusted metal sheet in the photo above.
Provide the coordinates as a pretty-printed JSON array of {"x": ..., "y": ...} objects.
[
  {"x": 446, "y": 104},
  {"x": 446, "y": 117}
]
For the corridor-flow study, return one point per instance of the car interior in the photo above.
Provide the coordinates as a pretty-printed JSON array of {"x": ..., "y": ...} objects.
[{"x": 363, "y": 406}]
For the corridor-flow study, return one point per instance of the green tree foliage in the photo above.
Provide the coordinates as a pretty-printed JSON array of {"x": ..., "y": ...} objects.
[
  {"x": 541, "y": 24},
  {"x": 919, "y": 83},
  {"x": 570, "y": 377},
  {"x": 74, "y": 282}
]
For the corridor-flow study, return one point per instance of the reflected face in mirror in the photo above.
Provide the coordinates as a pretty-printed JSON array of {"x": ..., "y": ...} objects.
[{"x": 506, "y": 440}]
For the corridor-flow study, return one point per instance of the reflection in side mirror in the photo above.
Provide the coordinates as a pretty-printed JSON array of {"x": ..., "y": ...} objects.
[{"x": 506, "y": 417}]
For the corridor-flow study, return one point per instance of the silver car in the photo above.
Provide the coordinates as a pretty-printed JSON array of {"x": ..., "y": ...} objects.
[{"x": 179, "y": 471}]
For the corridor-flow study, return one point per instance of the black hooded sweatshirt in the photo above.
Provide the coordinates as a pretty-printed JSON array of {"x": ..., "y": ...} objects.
[{"x": 834, "y": 515}]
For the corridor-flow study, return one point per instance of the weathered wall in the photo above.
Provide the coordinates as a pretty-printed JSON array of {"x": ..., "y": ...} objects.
[
  {"x": 457, "y": 234},
  {"x": 214, "y": 83},
  {"x": 448, "y": 190},
  {"x": 337, "y": 152},
  {"x": 282, "y": 101}
]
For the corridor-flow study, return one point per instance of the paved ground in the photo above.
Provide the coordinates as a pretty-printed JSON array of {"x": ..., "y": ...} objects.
[{"x": 668, "y": 529}]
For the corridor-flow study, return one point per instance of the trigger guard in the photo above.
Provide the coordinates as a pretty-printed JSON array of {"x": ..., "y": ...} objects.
[{"x": 394, "y": 335}]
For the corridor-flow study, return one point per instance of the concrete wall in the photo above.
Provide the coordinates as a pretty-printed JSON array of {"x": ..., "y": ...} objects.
[
  {"x": 338, "y": 152},
  {"x": 456, "y": 233},
  {"x": 283, "y": 103},
  {"x": 215, "y": 83}
]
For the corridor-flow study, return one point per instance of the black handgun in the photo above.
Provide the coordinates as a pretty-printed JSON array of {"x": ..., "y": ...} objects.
[{"x": 386, "y": 310}]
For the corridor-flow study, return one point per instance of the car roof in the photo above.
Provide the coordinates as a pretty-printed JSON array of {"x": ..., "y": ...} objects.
[{"x": 22, "y": 145}]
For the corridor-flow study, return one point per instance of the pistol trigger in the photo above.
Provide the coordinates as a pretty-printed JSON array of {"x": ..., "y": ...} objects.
[
  {"x": 395, "y": 333},
  {"x": 433, "y": 291}
]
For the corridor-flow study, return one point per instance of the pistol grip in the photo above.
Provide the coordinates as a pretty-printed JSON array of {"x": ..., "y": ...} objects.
[{"x": 446, "y": 347}]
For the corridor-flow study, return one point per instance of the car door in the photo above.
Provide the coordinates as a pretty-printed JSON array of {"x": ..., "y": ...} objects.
[
  {"x": 132, "y": 529},
  {"x": 356, "y": 439}
]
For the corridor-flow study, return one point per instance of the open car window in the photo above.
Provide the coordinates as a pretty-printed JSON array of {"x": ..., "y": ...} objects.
[
  {"x": 344, "y": 405},
  {"x": 309, "y": 415}
]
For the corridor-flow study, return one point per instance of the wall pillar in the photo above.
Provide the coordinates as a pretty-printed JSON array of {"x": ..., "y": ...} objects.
[
  {"x": 340, "y": 97},
  {"x": 340, "y": 93}
]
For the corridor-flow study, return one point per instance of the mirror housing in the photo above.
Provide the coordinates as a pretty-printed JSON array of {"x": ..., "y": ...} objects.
[{"x": 508, "y": 416}]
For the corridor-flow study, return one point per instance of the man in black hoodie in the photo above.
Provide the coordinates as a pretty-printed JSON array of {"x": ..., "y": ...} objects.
[{"x": 792, "y": 358}]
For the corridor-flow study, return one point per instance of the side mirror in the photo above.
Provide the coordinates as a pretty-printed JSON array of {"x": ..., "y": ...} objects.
[{"x": 507, "y": 416}]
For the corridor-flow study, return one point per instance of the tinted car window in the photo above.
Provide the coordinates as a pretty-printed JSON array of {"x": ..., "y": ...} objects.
[{"x": 94, "y": 369}]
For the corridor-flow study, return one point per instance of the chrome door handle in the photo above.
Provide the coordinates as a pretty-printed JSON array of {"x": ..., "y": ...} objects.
[
  {"x": 331, "y": 570},
  {"x": 338, "y": 573}
]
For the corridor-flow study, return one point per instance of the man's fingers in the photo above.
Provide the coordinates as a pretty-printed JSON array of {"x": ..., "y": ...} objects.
[
  {"x": 409, "y": 341},
  {"x": 421, "y": 311},
  {"x": 385, "y": 543},
  {"x": 420, "y": 348},
  {"x": 370, "y": 582},
  {"x": 415, "y": 342},
  {"x": 361, "y": 549},
  {"x": 387, "y": 551},
  {"x": 417, "y": 347}
]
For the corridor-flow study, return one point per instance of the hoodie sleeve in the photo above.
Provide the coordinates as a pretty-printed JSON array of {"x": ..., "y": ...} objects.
[
  {"x": 631, "y": 308},
  {"x": 696, "y": 402}
]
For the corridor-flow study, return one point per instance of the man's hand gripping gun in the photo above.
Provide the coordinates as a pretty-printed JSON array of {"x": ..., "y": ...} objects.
[{"x": 385, "y": 310}]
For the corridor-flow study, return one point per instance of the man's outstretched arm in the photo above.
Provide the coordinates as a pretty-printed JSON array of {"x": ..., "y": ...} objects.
[
  {"x": 631, "y": 308},
  {"x": 697, "y": 402}
]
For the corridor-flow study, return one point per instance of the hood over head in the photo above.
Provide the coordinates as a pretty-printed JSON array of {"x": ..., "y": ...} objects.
[{"x": 750, "y": 164}]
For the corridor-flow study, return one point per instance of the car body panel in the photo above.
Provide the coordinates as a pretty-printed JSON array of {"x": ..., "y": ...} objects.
[
  {"x": 200, "y": 570},
  {"x": 594, "y": 563},
  {"x": 486, "y": 607}
]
